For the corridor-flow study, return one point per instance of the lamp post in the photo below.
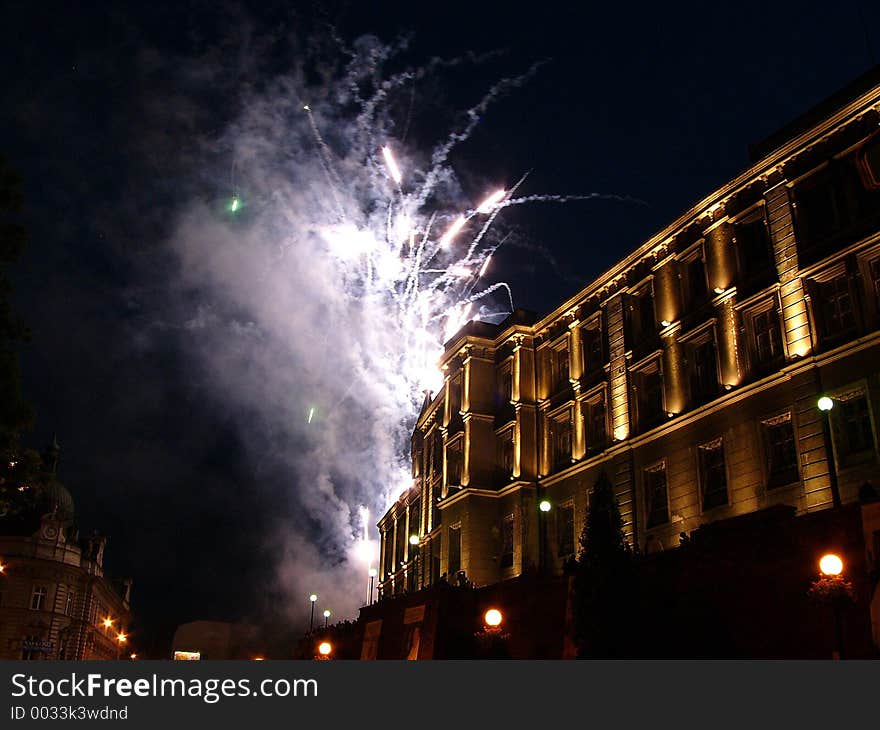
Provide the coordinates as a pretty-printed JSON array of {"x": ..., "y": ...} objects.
[
  {"x": 373, "y": 574},
  {"x": 413, "y": 561},
  {"x": 825, "y": 404},
  {"x": 312, "y": 599},
  {"x": 544, "y": 507},
  {"x": 326, "y": 617},
  {"x": 831, "y": 566}
]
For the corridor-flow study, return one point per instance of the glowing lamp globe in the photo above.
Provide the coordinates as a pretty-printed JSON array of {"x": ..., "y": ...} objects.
[
  {"x": 313, "y": 598},
  {"x": 373, "y": 573},
  {"x": 325, "y": 648},
  {"x": 326, "y": 613},
  {"x": 544, "y": 506},
  {"x": 413, "y": 539},
  {"x": 831, "y": 565},
  {"x": 493, "y": 617},
  {"x": 825, "y": 403}
]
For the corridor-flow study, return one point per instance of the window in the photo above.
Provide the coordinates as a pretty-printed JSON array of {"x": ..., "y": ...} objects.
[
  {"x": 694, "y": 287},
  {"x": 505, "y": 453},
  {"x": 767, "y": 336},
  {"x": 565, "y": 530},
  {"x": 640, "y": 320},
  {"x": 591, "y": 348},
  {"x": 656, "y": 501},
  {"x": 388, "y": 540},
  {"x": 505, "y": 387},
  {"x": 596, "y": 426},
  {"x": 38, "y": 597},
  {"x": 507, "y": 542},
  {"x": 703, "y": 370},
  {"x": 399, "y": 542},
  {"x": 648, "y": 387},
  {"x": 560, "y": 440},
  {"x": 453, "y": 464},
  {"x": 69, "y": 603},
  {"x": 713, "y": 476},
  {"x": 832, "y": 202},
  {"x": 853, "y": 434},
  {"x": 753, "y": 247},
  {"x": 436, "y": 456},
  {"x": 557, "y": 367},
  {"x": 454, "y": 396},
  {"x": 780, "y": 451},
  {"x": 454, "y": 550},
  {"x": 834, "y": 305}
]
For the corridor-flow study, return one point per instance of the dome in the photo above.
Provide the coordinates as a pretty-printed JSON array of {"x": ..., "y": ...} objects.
[{"x": 56, "y": 498}]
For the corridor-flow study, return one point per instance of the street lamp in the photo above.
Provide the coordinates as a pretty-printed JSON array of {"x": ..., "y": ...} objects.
[
  {"x": 544, "y": 507},
  {"x": 413, "y": 539},
  {"x": 108, "y": 622},
  {"x": 831, "y": 565},
  {"x": 493, "y": 618},
  {"x": 326, "y": 617},
  {"x": 121, "y": 638},
  {"x": 373, "y": 574},
  {"x": 825, "y": 404},
  {"x": 312, "y": 599},
  {"x": 325, "y": 648},
  {"x": 832, "y": 589}
]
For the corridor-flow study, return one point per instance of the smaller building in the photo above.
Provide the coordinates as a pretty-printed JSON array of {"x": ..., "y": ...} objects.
[{"x": 55, "y": 601}]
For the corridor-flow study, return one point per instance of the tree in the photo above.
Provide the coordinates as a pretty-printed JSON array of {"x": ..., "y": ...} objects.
[{"x": 604, "y": 581}]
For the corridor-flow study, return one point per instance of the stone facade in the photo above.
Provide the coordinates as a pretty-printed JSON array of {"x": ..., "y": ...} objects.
[{"x": 689, "y": 373}]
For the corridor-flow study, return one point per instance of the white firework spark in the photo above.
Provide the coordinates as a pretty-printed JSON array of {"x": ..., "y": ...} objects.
[{"x": 355, "y": 257}]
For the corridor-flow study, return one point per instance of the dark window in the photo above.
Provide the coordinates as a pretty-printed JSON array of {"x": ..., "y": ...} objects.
[
  {"x": 703, "y": 371},
  {"x": 507, "y": 543},
  {"x": 754, "y": 252},
  {"x": 591, "y": 344},
  {"x": 388, "y": 540},
  {"x": 454, "y": 396},
  {"x": 71, "y": 599},
  {"x": 453, "y": 464},
  {"x": 649, "y": 396},
  {"x": 836, "y": 307},
  {"x": 435, "y": 510},
  {"x": 506, "y": 386},
  {"x": 415, "y": 519},
  {"x": 400, "y": 543},
  {"x": 640, "y": 321},
  {"x": 768, "y": 337},
  {"x": 436, "y": 456},
  {"x": 597, "y": 431},
  {"x": 656, "y": 503},
  {"x": 38, "y": 597},
  {"x": 695, "y": 282},
  {"x": 781, "y": 453},
  {"x": 505, "y": 453},
  {"x": 854, "y": 421},
  {"x": 557, "y": 361},
  {"x": 831, "y": 203},
  {"x": 560, "y": 440},
  {"x": 565, "y": 530},
  {"x": 454, "y": 550},
  {"x": 713, "y": 478}
]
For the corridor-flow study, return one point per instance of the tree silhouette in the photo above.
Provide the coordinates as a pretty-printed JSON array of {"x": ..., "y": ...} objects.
[{"x": 604, "y": 579}]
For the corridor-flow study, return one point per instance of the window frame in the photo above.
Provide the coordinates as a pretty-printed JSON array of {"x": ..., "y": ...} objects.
[
  {"x": 656, "y": 467},
  {"x": 764, "y": 424},
  {"x": 713, "y": 444}
]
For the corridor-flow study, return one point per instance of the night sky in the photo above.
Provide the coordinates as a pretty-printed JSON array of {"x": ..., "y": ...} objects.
[{"x": 102, "y": 104}]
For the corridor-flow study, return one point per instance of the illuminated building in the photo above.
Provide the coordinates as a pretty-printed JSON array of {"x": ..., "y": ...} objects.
[
  {"x": 55, "y": 601},
  {"x": 689, "y": 372}
]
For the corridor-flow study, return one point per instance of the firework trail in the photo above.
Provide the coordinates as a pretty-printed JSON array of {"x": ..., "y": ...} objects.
[{"x": 352, "y": 264}]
